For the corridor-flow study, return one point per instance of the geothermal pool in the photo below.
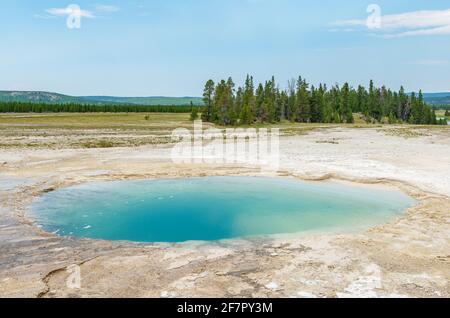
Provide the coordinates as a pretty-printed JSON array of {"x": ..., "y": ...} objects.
[{"x": 212, "y": 208}]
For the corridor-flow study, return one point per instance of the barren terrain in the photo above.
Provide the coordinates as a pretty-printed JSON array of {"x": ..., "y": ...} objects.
[{"x": 408, "y": 257}]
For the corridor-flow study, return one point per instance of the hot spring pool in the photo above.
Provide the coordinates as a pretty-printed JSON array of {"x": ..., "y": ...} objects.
[{"x": 212, "y": 208}]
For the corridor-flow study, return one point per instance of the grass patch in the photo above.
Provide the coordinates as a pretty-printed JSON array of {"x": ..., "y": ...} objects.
[
  {"x": 109, "y": 130},
  {"x": 101, "y": 143},
  {"x": 331, "y": 142},
  {"x": 95, "y": 121},
  {"x": 406, "y": 132}
]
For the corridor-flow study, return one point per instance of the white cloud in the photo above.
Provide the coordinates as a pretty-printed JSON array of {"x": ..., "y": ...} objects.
[
  {"x": 415, "y": 23},
  {"x": 74, "y": 10},
  {"x": 70, "y": 11},
  {"x": 432, "y": 31}
]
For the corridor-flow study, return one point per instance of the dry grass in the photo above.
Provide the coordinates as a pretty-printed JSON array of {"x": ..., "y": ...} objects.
[
  {"x": 407, "y": 132},
  {"x": 122, "y": 121},
  {"x": 60, "y": 131},
  {"x": 333, "y": 141},
  {"x": 440, "y": 113},
  {"x": 100, "y": 130}
]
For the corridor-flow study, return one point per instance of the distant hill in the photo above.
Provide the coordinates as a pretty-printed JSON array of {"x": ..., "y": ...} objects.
[
  {"x": 155, "y": 100},
  {"x": 437, "y": 98},
  {"x": 37, "y": 97},
  {"x": 54, "y": 98}
]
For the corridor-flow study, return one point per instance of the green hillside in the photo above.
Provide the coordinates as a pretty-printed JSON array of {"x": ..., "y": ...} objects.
[
  {"x": 54, "y": 98},
  {"x": 437, "y": 98},
  {"x": 156, "y": 100},
  {"x": 37, "y": 97}
]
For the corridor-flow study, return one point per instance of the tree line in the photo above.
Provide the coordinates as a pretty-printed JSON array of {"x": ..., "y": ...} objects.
[
  {"x": 443, "y": 107},
  {"x": 20, "y": 107},
  {"x": 301, "y": 102}
]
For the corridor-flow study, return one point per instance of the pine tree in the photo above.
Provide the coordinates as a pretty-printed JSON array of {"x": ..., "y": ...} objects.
[
  {"x": 281, "y": 105},
  {"x": 232, "y": 116},
  {"x": 223, "y": 110},
  {"x": 324, "y": 112},
  {"x": 415, "y": 115},
  {"x": 270, "y": 95},
  {"x": 345, "y": 110},
  {"x": 361, "y": 101},
  {"x": 334, "y": 105},
  {"x": 260, "y": 112},
  {"x": 227, "y": 106},
  {"x": 404, "y": 109},
  {"x": 239, "y": 100},
  {"x": 194, "y": 112},
  {"x": 291, "y": 110},
  {"x": 424, "y": 115},
  {"x": 371, "y": 101},
  {"x": 314, "y": 104},
  {"x": 208, "y": 95},
  {"x": 248, "y": 102},
  {"x": 302, "y": 102}
]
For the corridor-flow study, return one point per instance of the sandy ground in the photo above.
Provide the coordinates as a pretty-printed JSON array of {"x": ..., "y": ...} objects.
[{"x": 408, "y": 257}]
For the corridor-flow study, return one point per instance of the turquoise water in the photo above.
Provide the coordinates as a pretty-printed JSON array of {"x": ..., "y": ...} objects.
[{"x": 212, "y": 208}]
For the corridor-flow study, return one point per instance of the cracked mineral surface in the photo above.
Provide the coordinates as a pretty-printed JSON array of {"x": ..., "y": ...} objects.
[{"x": 406, "y": 257}]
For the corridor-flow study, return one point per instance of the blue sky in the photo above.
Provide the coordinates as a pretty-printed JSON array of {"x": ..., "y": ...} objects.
[{"x": 171, "y": 47}]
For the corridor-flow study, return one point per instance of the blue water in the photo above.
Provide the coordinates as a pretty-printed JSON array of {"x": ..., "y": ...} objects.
[{"x": 212, "y": 208}]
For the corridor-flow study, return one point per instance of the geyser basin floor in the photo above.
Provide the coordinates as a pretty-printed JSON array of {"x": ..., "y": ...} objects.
[{"x": 212, "y": 208}]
